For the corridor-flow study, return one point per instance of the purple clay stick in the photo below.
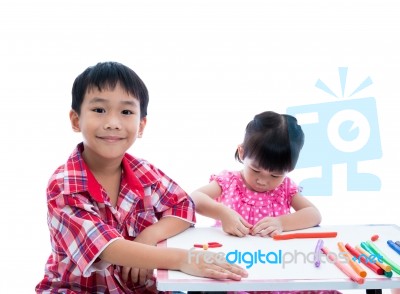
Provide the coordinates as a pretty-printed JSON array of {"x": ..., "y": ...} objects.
[{"x": 317, "y": 253}]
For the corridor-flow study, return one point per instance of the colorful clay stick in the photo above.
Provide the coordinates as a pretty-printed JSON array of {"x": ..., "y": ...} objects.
[
  {"x": 363, "y": 258},
  {"x": 305, "y": 235},
  {"x": 214, "y": 244},
  {"x": 208, "y": 245},
  {"x": 354, "y": 265},
  {"x": 394, "y": 246},
  {"x": 367, "y": 252},
  {"x": 395, "y": 267},
  {"x": 374, "y": 238},
  {"x": 345, "y": 269},
  {"x": 317, "y": 253}
]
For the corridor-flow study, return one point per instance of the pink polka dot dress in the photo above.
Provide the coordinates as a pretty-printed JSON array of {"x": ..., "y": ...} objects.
[{"x": 254, "y": 206}]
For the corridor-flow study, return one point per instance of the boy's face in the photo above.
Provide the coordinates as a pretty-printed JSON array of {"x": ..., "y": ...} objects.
[{"x": 109, "y": 121}]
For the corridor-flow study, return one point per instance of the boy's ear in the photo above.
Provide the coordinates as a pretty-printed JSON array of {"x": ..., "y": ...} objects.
[
  {"x": 74, "y": 118},
  {"x": 142, "y": 125}
]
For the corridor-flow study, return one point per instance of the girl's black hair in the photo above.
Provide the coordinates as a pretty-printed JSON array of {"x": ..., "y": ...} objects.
[
  {"x": 106, "y": 75},
  {"x": 274, "y": 141}
]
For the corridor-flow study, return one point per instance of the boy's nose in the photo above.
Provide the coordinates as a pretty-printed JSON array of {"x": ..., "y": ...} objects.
[{"x": 112, "y": 123}]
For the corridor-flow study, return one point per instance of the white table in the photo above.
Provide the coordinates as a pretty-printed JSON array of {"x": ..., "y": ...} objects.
[{"x": 283, "y": 275}]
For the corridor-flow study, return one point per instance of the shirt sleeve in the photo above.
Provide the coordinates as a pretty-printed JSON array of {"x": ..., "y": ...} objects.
[
  {"x": 169, "y": 199},
  {"x": 78, "y": 232}
]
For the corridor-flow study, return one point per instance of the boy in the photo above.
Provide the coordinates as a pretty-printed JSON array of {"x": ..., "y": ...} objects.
[{"x": 107, "y": 209}]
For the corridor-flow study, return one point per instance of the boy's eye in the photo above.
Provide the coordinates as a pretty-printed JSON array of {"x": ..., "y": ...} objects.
[
  {"x": 256, "y": 171},
  {"x": 98, "y": 110},
  {"x": 127, "y": 112}
]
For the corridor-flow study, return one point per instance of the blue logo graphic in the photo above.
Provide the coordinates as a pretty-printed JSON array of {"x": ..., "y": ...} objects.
[
  {"x": 368, "y": 259},
  {"x": 344, "y": 131}
]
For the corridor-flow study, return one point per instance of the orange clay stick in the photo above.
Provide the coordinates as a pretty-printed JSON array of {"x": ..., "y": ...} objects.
[
  {"x": 355, "y": 266},
  {"x": 305, "y": 235}
]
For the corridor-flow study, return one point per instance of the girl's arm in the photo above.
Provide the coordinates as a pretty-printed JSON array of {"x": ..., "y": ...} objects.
[
  {"x": 204, "y": 200},
  {"x": 306, "y": 215},
  {"x": 132, "y": 254},
  {"x": 232, "y": 222}
]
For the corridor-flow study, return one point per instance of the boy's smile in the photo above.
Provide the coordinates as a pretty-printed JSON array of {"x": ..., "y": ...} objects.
[
  {"x": 110, "y": 123},
  {"x": 110, "y": 139}
]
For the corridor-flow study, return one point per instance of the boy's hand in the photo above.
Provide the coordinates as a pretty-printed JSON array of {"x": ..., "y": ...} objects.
[
  {"x": 211, "y": 265},
  {"x": 137, "y": 276},
  {"x": 268, "y": 226},
  {"x": 234, "y": 224}
]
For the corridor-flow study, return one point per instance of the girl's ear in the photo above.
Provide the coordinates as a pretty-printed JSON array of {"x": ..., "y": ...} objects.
[
  {"x": 241, "y": 152},
  {"x": 74, "y": 118}
]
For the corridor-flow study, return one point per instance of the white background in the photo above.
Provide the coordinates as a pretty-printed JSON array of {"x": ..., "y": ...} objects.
[{"x": 209, "y": 67}]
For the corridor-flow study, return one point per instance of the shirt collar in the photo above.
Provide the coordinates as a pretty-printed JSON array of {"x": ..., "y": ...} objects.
[
  {"x": 79, "y": 178},
  {"x": 132, "y": 181}
]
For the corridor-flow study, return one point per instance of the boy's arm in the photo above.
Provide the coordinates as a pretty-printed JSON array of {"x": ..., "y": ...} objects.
[
  {"x": 132, "y": 254},
  {"x": 165, "y": 228},
  {"x": 172, "y": 207}
]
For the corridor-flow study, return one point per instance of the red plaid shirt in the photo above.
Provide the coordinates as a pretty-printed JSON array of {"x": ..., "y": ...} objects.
[{"x": 83, "y": 222}]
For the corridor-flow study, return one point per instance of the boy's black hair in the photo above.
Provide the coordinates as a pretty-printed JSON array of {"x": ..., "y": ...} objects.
[
  {"x": 106, "y": 75},
  {"x": 274, "y": 141}
]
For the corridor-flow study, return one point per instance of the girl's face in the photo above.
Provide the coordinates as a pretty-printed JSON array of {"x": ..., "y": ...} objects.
[
  {"x": 258, "y": 179},
  {"x": 109, "y": 121}
]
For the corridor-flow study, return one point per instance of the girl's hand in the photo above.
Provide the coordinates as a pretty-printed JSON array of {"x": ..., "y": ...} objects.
[
  {"x": 234, "y": 224},
  {"x": 268, "y": 226},
  {"x": 210, "y": 264}
]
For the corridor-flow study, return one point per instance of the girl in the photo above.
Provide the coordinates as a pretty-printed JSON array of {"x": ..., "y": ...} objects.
[{"x": 257, "y": 199}]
